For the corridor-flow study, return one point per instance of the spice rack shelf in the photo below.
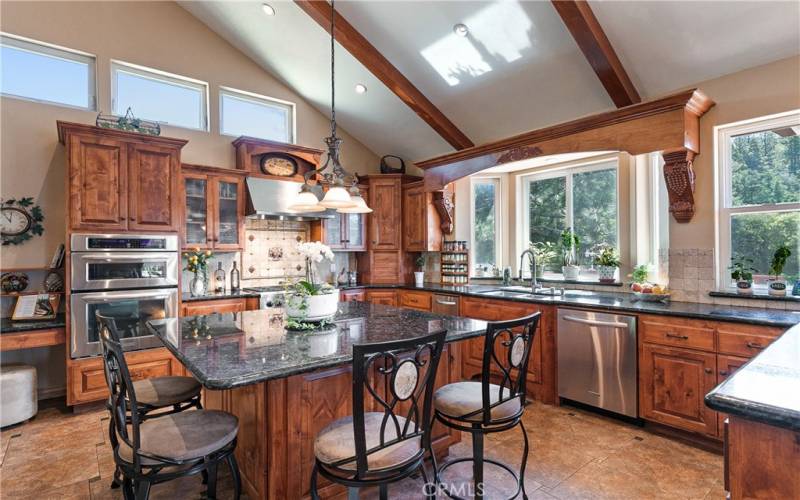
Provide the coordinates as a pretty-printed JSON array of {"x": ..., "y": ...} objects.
[{"x": 454, "y": 259}]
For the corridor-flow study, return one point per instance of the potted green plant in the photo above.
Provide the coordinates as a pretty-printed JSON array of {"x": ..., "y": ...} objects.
[
  {"x": 777, "y": 285},
  {"x": 639, "y": 278},
  {"x": 197, "y": 263},
  {"x": 419, "y": 274},
  {"x": 742, "y": 273},
  {"x": 544, "y": 253},
  {"x": 307, "y": 300},
  {"x": 569, "y": 251},
  {"x": 607, "y": 263}
]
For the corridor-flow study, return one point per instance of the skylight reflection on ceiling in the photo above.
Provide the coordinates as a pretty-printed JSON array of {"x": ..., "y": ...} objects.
[{"x": 497, "y": 33}]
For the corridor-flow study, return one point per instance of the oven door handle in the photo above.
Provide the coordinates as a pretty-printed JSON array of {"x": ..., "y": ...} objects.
[
  {"x": 117, "y": 296},
  {"x": 127, "y": 257}
]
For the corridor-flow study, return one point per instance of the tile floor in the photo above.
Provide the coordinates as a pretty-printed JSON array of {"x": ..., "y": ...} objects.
[{"x": 574, "y": 454}]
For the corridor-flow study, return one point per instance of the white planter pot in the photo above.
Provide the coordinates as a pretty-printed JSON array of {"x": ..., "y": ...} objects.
[
  {"x": 318, "y": 307},
  {"x": 744, "y": 287},
  {"x": 606, "y": 273},
  {"x": 323, "y": 344},
  {"x": 419, "y": 278},
  {"x": 777, "y": 288},
  {"x": 570, "y": 272}
]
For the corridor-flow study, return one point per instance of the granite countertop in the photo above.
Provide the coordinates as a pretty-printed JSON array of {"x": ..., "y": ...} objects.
[
  {"x": 620, "y": 302},
  {"x": 236, "y": 349},
  {"x": 767, "y": 389},
  {"x": 9, "y": 326},
  {"x": 227, "y": 294}
]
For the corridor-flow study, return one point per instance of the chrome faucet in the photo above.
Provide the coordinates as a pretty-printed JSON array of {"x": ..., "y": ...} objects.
[{"x": 534, "y": 283}]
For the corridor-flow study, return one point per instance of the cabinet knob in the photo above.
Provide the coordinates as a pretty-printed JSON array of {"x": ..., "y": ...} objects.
[
  {"x": 708, "y": 370},
  {"x": 724, "y": 373}
]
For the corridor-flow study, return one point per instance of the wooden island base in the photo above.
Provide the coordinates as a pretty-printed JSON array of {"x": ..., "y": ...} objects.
[{"x": 280, "y": 419}]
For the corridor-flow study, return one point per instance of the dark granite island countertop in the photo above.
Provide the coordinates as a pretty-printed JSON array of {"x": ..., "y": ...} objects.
[
  {"x": 230, "y": 350},
  {"x": 767, "y": 389}
]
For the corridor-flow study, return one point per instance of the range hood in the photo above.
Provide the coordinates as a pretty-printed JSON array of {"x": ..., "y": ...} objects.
[{"x": 270, "y": 199}]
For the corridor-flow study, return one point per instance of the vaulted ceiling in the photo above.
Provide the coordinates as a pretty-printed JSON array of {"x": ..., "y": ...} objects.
[{"x": 518, "y": 69}]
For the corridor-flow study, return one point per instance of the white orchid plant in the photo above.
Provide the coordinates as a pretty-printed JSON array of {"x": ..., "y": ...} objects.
[{"x": 314, "y": 252}]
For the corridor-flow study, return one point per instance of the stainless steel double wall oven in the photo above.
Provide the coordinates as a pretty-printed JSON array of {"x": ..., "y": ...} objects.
[{"x": 133, "y": 278}]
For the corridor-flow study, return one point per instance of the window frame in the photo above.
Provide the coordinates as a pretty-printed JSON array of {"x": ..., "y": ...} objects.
[
  {"x": 568, "y": 172},
  {"x": 164, "y": 77},
  {"x": 58, "y": 52},
  {"x": 260, "y": 99},
  {"x": 723, "y": 193},
  {"x": 498, "y": 211}
]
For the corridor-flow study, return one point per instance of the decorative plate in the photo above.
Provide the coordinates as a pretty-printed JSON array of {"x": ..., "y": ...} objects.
[{"x": 279, "y": 164}]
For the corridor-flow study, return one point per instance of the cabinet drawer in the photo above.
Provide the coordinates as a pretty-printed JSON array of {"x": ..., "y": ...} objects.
[
  {"x": 744, "y": 340},
  {"x": 202, "y": 307},
  {"x": 353, "y": 295},
  {"x": 386, "y": 298},
  {"x": 677, "y": 332},
  {"x": 416, "y": 300}
]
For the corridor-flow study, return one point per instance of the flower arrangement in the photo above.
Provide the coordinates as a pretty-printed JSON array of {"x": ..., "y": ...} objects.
[
  {"x": 314, "y": 252},
  {"x": 307, "y": 300},
  {"x": 197, "y": 263},
  {"x": 607, "y": 263}
]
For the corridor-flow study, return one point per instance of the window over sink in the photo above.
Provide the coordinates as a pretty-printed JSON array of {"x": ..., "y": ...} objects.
[
  {"x": 485, "y": 226},
  {"x": 583, "y": 197},
  {"x": 758, "y": 195}
]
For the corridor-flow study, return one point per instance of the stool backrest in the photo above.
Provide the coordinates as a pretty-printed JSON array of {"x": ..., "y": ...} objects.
[
  {"x": 122, "y": 397},
  {"x": 396, "y": 379},
  {"x": 506, "y": 350}
]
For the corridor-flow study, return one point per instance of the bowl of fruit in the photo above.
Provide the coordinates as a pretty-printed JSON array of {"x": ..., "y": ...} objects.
[{"x": 650, "y": 292}]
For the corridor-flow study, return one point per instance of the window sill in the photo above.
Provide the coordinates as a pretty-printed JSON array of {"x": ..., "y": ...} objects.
[
  {"x": 551, "y": 280},
  {"x": 757, "y": 294}
]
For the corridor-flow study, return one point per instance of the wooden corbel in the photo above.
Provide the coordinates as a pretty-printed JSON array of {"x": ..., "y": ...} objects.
[
  {"x": 443, "y": 201},
  {"x": 679, "y": 176}
]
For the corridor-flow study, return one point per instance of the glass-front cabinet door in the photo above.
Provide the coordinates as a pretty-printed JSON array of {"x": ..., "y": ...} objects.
[
  {"x": 196, "y": 227},
  {"x": 356, "y": 237},
  {"x": 227, "y": 213},
  {"x": 334, "y": 232}
]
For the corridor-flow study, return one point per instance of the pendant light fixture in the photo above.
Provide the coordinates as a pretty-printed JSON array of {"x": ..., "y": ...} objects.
[{"x": 342, "y": 193}]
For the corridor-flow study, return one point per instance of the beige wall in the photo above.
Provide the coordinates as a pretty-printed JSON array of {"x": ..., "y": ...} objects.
[
  {"x": 160, "y": 35},
  {"x": 763, "y": 90}
]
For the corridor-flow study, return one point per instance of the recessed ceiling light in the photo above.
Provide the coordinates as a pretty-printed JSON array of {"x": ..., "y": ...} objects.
[
  {"x": 460, "y": 29},
  {"x": 268, "y": 9},
  {"x": 361, "y": 88}
]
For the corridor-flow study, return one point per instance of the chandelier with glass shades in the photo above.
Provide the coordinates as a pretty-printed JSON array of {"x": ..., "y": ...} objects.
[{"x": 342, "y": 194}]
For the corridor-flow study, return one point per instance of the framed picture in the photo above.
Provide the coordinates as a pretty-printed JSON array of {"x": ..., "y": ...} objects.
[{"x": 36, "y": 307}]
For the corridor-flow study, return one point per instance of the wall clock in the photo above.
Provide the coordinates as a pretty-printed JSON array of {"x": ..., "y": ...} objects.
[
  {"x": 20, "y": 220},
  {"x": 278, "y": 164}
]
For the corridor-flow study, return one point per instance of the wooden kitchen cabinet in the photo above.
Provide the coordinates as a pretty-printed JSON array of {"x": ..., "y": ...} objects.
[
  {"x": 385, "y": 297},
  {"x": 203, "y": 307},
  {"x": 541, "y": 365},
  {"x": 121, "y": 181},
  {"x": 385, "y": 221},
  {"x": 672, "y": 384},
  {"x": 422, "y": 230},
  {"x": 213, "y": 208},
  {"x": 358, "y": 295},
  {"x": 345, "y": 232},
  {"x": 414, "y": 299}
]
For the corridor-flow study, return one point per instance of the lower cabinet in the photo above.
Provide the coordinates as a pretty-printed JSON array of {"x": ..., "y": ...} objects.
[
  {"x": 86, "y": 380},
  {"x": 385, "y": 297},
  {"x": 203, "y": 307},
  {"x": 672, "y": 384},
  {"x": 353, "y": 295},
  {"x": 414, "y": 299},
  {"x": 541, "y": 365}
]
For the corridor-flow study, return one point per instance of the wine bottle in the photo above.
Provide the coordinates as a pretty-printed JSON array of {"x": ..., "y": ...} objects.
[
  {"x": 234, "y": 278},
  {"x": 219, "y": 279}
]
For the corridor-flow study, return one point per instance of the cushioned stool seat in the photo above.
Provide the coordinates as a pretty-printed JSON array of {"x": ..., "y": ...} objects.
[
  {"x": 464, "y": 398},
  {"x": 336, "y": 442},
  {"x": 183, "y": 436},
  {"x": 17, "y": 394},
  {"x": 160, "y": 392}
]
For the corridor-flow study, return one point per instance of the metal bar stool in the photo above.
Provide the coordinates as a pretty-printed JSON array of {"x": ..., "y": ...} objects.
[
  {"x": 375, "y": 448},
  {"x": 157, "y": 396},
  {"x": 482, "y": 407},
  {"x": 163, "y": 447}
]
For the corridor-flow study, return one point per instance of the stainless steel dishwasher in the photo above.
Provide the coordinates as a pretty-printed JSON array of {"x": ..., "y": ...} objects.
[
  {"x": 597, "y": 360},
  {"x": 445, "y": 304}
]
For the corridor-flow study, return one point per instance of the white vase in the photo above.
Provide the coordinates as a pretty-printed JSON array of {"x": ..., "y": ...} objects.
[
  {"x": 606, "y": 273},
  {"x": 419, "y": 278},
  {"x": 571, "y": 272},
  {"x": 316, "y": 308}
]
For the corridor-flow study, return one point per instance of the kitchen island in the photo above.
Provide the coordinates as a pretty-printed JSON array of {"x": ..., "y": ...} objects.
[{"x": 286, "y": 387}]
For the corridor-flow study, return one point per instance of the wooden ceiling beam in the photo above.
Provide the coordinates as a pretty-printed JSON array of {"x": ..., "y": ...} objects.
[
  {"x": 593, "y": 42},
  {"x": 366, "y": 53}
]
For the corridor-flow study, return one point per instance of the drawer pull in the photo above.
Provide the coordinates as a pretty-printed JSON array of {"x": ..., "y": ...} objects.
[
  {"x": 724, "y": 373},
  {"x": 677, "y": 336},
  {"x": 445, "y": 303},
  {"x": 708, "y": 370},
  {"x": 754, "y": 345}
]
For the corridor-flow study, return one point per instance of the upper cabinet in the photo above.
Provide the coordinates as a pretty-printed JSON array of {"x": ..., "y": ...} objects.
[
  {"x": 213, "y": 208},
  {"x": 422, "y": 230},
  {"x": 385, "y": 199},
  {"x": 346, "y": 232},
  {"x": 121, "y": 181}
]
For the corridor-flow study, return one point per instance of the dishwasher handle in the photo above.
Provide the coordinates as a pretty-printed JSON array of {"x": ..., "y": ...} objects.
[{"x": 613, "y": 324}]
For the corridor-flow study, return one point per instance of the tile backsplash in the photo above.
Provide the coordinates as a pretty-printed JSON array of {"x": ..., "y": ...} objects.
[{"x": 691, "y": 274}]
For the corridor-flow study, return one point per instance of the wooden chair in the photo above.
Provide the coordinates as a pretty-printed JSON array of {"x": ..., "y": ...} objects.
[
  {"x": 163, "y": 447},
  {"x": 482, "y": 407},
  {"x": 385, "y": 439}
]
